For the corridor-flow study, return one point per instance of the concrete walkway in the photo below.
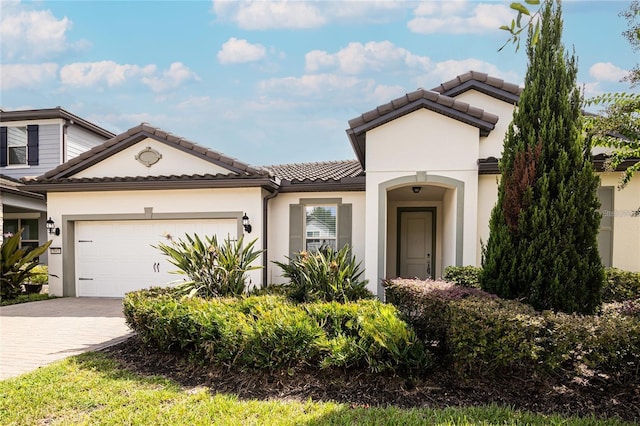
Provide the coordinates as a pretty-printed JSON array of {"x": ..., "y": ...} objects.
[{"x": 37, "y": 333}]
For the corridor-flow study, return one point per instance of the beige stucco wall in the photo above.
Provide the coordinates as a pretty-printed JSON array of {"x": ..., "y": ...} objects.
[
  {"x": 490, "y": 146},
  {"x": 428, "y": 148},
  {"x": 278, "y": 226},
  {"x": 173, "y": 161},
  {"x": 626, "y": 228},
  {"x": 175, "y": 202}
]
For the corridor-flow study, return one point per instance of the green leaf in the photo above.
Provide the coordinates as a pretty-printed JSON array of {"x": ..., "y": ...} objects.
[
  {"x": 533, "y": 2},
  {"x": 520, "y": 8}
]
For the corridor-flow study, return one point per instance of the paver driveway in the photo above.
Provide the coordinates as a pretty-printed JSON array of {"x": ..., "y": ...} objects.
[{"x": 37, "y": 333}]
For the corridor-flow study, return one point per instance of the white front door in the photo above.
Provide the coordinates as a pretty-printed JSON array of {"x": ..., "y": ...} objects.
[
  {"x": 415, "y": 244},
  {"x": 115, "y": 257}
]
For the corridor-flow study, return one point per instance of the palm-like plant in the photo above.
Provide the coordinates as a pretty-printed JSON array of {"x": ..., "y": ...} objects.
[
  {"x": 16, "y": 264},
  {"x": 214, "y": 270}
]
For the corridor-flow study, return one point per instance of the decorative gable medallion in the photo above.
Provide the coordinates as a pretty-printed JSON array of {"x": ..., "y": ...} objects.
[{"x": 148, "y": 156}]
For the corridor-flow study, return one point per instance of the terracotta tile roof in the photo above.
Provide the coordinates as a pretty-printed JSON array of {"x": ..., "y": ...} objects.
[
  {"x": 490, "y": 165},
  {"x": 440, "y": 103},
  {"x": 413, "y": 101},
  {"x": 328, "y": 170},
  {"x": 482, "y": 82},
  {"x": 138, "y": 133}
]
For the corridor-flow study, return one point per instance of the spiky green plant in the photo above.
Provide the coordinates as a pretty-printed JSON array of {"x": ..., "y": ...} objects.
[
  {"x": 325, "y": 275},
  {"x": 213, "y": 269},
  {"x": 16, "y": 264}
]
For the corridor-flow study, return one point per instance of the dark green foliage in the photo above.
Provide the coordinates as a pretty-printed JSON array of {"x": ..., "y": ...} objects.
[
  {"x": 466, "y": 276},
  {"x": 16, "y": 265},
  {"x": 325, "y": 275},
  {"x": 270, "y": 332},
  {"x": 483, "y": 336},
  {"x": 620, "y": 286},
  {"x": 214, "y": 270},
  {"x": 543, "y": 247}
]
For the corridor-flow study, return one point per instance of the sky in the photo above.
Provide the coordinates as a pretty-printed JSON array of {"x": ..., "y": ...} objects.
[{"x": 273, "y": 82}]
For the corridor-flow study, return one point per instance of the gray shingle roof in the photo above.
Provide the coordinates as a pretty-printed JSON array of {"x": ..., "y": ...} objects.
[{"x": 49, "y": 113}]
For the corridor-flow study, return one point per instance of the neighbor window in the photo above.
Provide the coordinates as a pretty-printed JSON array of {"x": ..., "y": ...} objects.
[
  {"x": 29, "y": 237},
  {"x": 316, "y": 223},
  {"x": 320, "y": 227},
  {"x": 19, "y": 145}
]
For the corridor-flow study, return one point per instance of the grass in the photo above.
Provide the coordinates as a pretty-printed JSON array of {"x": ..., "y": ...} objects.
[
  {"x": 91, "y": 389},
  {"x": 24, "y": 298}
]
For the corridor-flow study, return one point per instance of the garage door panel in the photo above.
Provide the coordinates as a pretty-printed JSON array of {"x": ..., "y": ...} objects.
[{"x": 115, "y": 257}]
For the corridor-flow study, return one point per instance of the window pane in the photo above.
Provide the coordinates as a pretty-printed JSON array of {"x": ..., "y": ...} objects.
[
  {"x": 9, "y": 227},
  {"x": 30, "y": 229},
  {"x": 17, "y": 143},
  {"x": 320, "y": 227}
]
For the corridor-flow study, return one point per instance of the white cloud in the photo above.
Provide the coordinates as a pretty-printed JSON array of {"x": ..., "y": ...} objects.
[
  {"x": 26, "y": 75},
  {"x": 606, "y": 71},
  {"x": 311, "y": 85},
  {"x": 446, "y": 70},
  {"x": 236, "y": 51},
  {"x": 357, "y": 58},
  {"x": 262, "y": 15},
  {"x": 175, "y": 76},
  {"x": 457, "y": 17},
  {"x": 272, "y": 14},
  {"x": 85, "y": 74},
  {"x": 28, "y": 35},
  {"x": 194, "y": 102}
]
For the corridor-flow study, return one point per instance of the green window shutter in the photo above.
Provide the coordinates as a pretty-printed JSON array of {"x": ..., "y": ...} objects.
[
  {"x": 344, "y": 225},
  {"x": 296, "y": 228}
]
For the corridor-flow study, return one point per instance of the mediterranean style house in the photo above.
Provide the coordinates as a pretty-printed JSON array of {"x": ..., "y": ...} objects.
[
  {"x": 416, "y": 198},
  {"x": 33, "y": 142}
]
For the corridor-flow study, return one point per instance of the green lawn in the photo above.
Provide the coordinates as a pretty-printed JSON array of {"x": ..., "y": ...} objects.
[{"x": 90, "y": 389}]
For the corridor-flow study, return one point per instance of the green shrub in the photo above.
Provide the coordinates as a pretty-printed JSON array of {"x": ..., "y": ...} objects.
[
  {"x": 270, "y": 332},
  {"x": 214, "y": 270},
  {"x": 480, "y": 335},
  {"x": 466, "y": 276},
  {"x": 16, "y": 264},
  {"x": 325, "y": 275},
  {"x": 620, "y": 285},
  {"x": 40, "y": 275}
]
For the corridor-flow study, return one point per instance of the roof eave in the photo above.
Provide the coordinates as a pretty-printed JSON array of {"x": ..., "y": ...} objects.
[
  {"x": 344, "y": 184},
  {"x": 154, "y": 184},
  {"x": 49, "y": 113}
]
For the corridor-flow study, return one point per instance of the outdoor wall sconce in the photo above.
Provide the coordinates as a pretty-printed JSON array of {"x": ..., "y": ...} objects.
[
  {"x": 416, "y": 189},
  {"x": 246, "y": 224},
  {"x": 51, "y": 226}
]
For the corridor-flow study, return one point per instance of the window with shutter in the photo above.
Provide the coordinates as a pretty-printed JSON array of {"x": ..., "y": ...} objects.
[{"x": 316, "y": 223}]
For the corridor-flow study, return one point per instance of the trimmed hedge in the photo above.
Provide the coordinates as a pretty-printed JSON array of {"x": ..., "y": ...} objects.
[
  {"x": 619, "y": 285},
  {"x": 477, "y": 334},
  {"x": 270, "y": 332},
  {"x": 466, "y": 276}
]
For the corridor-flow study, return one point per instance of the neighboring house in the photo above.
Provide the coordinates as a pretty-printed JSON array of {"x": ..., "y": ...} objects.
[
  {"x": 417, "y": 198},
  {"x": 33, "y": 142}
]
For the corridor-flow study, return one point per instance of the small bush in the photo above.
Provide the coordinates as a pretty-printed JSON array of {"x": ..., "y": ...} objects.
[
  {"x": 480, "y": 335},
  {"x": 465, "y": 276},
  {"x": 620, "y": 286},
  {"x": 325, "y": 275},
  {"x": 270, "y": 332}
]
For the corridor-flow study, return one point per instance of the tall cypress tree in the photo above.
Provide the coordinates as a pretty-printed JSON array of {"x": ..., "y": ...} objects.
[{"x": 542, "y": 246}]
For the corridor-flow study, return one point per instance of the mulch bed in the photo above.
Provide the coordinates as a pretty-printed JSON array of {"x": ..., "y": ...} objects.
[{"x": 359, "y": 388}]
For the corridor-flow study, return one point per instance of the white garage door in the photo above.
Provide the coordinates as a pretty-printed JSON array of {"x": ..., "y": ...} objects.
[{"x": 115, "y": 257}]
